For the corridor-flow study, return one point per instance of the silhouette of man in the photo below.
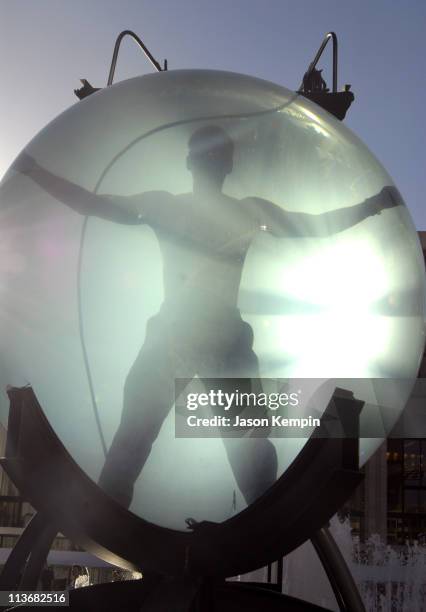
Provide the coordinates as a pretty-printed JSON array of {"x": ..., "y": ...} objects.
[{"x": 204, "y": 237}]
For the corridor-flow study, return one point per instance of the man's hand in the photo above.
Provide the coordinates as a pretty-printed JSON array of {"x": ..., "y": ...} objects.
[
  {"x": 389, "y": 197},
  {"x": 24, "y": 163}
]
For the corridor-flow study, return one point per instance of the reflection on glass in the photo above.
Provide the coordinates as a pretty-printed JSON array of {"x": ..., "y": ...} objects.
[{"x": 261, "y": 239}]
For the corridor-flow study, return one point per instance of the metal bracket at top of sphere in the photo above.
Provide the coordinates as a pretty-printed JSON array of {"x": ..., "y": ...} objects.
[
  {"x": 88, "y": 89},
  {"x": 314, "y": 87}
]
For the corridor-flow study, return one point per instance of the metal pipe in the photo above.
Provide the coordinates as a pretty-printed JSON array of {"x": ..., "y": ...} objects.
[
  {"x": 141, "y": 45},
  {"x": 341, "y": 579}
]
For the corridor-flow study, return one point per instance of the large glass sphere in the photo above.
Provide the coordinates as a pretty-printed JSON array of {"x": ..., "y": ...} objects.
[{"x": 221, "y": 209}]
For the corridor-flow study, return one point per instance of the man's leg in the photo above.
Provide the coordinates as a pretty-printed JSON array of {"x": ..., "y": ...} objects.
[
  {"x": 148, "y": 398},
  {"x": 253, "y": 459}
]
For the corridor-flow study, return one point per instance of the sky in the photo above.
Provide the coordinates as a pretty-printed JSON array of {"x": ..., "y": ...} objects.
[{"x": 46, "y": 46}]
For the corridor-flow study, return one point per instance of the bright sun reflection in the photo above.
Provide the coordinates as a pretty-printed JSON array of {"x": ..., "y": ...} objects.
[
  {"x": 343, "y": 280},
  {"x": 347, "y": 275},
  {"x": 333, "y": 344}
]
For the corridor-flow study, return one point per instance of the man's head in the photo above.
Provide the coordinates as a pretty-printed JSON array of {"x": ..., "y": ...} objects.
[{"x": 210, "y": 155}]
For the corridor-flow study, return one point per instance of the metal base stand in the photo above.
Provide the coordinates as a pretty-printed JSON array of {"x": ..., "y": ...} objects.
[{"x": 183, "y": 572}]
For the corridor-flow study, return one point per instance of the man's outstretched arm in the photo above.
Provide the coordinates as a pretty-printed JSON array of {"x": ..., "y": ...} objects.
[
  {"x": 283, "y": 223},
  {"x": 127, "y": 210}
]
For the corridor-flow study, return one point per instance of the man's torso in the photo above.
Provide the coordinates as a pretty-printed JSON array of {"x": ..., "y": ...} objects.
[{"x": 204, "y": 245}]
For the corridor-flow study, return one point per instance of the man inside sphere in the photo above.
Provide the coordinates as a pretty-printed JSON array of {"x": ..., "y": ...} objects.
[{"x": 204, "y": 237}]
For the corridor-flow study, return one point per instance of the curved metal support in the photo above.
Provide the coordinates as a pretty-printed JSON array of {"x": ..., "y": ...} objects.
[
  {"x": 136, "y": 38},
  {"x": 339, "y": 575},
  {"x": 54, "y": 484},
  {"x": 26, "y": 560},
  {"x": 312, "y": 65}
]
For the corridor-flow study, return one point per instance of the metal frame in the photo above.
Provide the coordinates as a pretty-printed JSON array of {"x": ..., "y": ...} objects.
[
  {"x": 278, "y": 522},
  {"x": 195, "y": 564}
]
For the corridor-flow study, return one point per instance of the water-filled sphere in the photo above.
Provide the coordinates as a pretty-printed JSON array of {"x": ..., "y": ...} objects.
[{"x": 168, "y": 261}]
